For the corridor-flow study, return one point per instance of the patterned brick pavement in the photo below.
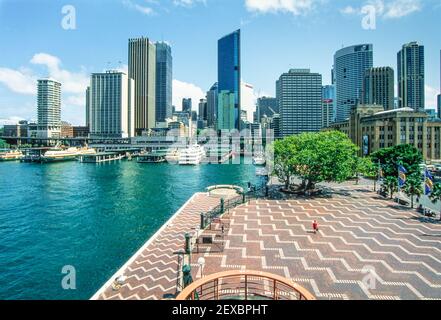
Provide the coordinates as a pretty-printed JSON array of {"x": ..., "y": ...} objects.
[{"x": 361, "y": 237}]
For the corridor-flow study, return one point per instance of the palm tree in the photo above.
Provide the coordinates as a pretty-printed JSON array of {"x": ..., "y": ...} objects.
[
  {"x": 435, "y": 196},
  {"x": 391, "y": 185},
  {"x": 413, "y": 187}
]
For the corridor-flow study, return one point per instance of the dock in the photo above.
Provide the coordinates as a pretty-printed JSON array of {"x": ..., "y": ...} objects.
[{"x": 101, "y": 157}]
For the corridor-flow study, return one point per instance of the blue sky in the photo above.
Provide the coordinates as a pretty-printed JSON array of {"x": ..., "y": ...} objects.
[{"x": 276, "y": 35}]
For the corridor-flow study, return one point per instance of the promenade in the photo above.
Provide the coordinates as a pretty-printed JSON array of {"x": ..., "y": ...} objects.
[{"x": 367, "y": 247}]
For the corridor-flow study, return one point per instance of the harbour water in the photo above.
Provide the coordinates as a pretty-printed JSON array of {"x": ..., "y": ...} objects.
[{"x": 91, "y": 217}]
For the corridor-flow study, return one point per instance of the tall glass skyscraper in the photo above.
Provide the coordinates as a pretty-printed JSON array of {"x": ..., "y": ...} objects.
[
  {"x": 164, "y": 78},
  {"x": 142, "y": 69},
  {"x": 229, "y": 73},
  {"x": 411, "y": 81},
  {"x": 350, "y": 65},
  {"x": 212, "y": 104}
]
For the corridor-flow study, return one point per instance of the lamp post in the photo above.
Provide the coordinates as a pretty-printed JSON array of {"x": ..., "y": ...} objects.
[{"x": 201, "y": 263}]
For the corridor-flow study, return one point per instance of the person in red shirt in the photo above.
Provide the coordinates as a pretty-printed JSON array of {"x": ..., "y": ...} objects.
[{"x": 315, "y": 226}]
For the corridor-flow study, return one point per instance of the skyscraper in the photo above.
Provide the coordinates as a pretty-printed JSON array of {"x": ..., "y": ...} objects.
[
  {"x": 226, "y": 116},
  {"x": 300, "y": 102},
  {"x": 164, "y": 76},
  {"x": 111, "y": 109},
  {"x": 187, "y": 105},
  {"x": 247, "y": 102},
  {"x": 203, "y": 109},
  {"x": 49, "y": 108},
  {"x": 379, "y": 87},
  {"x": 142, "y": 69},
  {"x": 88, "y": 107},
  {"x": 229, "y": 74},
  {"x": 349, "y": 67},
  {"x": 328, "y": 93},
  {"x": 212, "y": 104},
  {"x": 439, "y": 96},
  {"x": 411, "y": 77},
  {"x": 266, "y": 106}
]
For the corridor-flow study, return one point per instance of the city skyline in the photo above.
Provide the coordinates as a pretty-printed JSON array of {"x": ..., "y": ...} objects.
[{"x": 194, "y": 47}]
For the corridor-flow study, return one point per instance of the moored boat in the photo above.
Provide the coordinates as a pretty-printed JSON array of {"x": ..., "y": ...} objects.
[
  {"x": 12, "y": 155},
  {"x": 192, "y": 155}
]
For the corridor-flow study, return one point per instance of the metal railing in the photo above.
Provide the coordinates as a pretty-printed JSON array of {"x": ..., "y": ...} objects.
[{"x": 244, "y": 285}]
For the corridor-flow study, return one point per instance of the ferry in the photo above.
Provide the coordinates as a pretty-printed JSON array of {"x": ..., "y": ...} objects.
[
  {"x": 192, "y": 155},
  {"x": 172, "y": 156},
  {"x": 152, "y": 157},
  {"x": 259, "y": 159},
  {"x": 69, "y": 154},
  {"x": 12, "y": 155}
]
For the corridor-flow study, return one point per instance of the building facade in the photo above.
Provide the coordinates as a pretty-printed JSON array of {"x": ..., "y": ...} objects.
[
  {"x": 112, "y": 105},
  {"x": 328, "y": 93},
  {"x": 187, "y": 105},
  {"x": 300, "y": 102},
  {"x": 266, "y": 106},
  {"x": 350, "y": 64},
  {"x": 247, "y": 102},
  {"x": 226, "y": 117},
  {"x": 212, "y": 104},
  {"x": 142, "y": 69},
  {"x": 229, "y": 73},
  {"x": 411, "y": 77},
  {"x": 371, "y": 128},
  {"x": 379, "y": 87},
  {"x": 87, "y": 107},
  {"x": 327, "y": 113},
  {"x": 164, "y": 78},
  {"x": 49, "y": 109}
]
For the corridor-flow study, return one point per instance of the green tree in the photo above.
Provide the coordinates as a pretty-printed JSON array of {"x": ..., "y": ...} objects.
[
  {"x": 391, "y": 185},
  {"x": 3, "y": 144},
  {"x": 435, "y": 196},
  {"x": 368, "y": 169},
  {"x": 315, "y": 157},
  {"x": 413, "y": 187},
  {"x": 405, "y": 154}
]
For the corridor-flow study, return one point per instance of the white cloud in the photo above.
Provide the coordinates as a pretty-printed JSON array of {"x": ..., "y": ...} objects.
[
  {"x": 10, "y": 120},
  {"x": 140, "y": 8},
  {"x": 188, "y": 3},
  {"x": 186, "y": 90},
  {"x": 388, "y": 9},
  {"x": 19, "y": 81},
  {"x": 295, "y": 7}
]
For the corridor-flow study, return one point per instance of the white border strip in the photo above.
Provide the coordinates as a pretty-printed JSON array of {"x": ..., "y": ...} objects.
[{"x": 138, "y": 253}]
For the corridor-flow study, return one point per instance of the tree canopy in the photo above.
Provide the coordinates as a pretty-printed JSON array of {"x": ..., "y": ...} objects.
[
  {"x": 315, "y": 157},
  {"x": 406, "y": 155}
]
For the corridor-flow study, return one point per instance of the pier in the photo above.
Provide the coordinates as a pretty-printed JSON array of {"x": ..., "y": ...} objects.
[{"x": 101, "y": 157}]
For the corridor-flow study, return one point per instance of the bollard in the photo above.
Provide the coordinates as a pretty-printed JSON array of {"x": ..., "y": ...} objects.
[
  {"x": 222, "y": 204},
  {"x": 243, "y": 197},
  {"x": 202, "y": 225},
  {"x": 187, "y": 243}
]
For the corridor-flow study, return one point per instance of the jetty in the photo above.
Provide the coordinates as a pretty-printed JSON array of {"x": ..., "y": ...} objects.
[{"x": 102, "y": 157}]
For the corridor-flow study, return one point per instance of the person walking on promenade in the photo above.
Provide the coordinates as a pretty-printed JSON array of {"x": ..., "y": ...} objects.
[{"x": 315, "y": 226}]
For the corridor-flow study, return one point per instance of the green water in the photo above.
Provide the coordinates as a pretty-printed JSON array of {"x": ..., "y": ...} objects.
[{"x": 92, "y": 217}]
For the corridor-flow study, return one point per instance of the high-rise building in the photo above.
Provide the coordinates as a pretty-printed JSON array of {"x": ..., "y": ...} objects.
[
  {"x": 226, "y": 116},
  {"x": 142, "y": 69},
  {"x": 350, "y": 65},
  {"x": 212, "y": 104},
  {"x": 229, "y": 74},
  {"x": 379, "y": 87},
  {"x": 49, "y": 109},
  {"x": 300, "y": 102},
  {"x": 266, "y": 106},
  {"x": 439, "y": 106},
  {"x": 111, "y": 109},
  {"x": 327, "y": 113},
  {"x": 187, "y": 105},
  {"x": 88, "y": 107},
  {"x": 328, "y": 93},
  {"x": 203, "y": 109},
  {"x": 411, "y": 77},
  {"x": 164, "y": 78},
  {"x": 247, "y": 102}
]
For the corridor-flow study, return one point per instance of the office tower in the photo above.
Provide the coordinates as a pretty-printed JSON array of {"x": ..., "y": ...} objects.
[
  {"x": 379, "y": 87},
  {"x": 328, "y": 93},
  {"x": 247, "y": 102},
  {"x": 194, "y": 116},
  {"x": 49, "y": 109},
  {"x": 212, "y": 98},
  {"x": 350, "y": 65},
  {"x": 266, "y": 106},
  {"x": 411, "y": 77},
  {"x": 300, "y": 102},
  {"x": 88, "y": 107},
  {"x": 439, "y": 96},
  {"x": 276, "y": 126},
  {"x": 203, "y": 109},
  {"x": 229, "y": 75},
  {"x": 226, "y": 115},
  {"x": 142, "y": 69},
  {"x": 187, "y": 105},
  {"x": 111, "y": 110},
  {"x": 327, "y": 113},
  {"x": 164, "y": 78}
]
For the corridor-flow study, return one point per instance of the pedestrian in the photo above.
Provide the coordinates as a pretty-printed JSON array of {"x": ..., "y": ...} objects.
[{"x": 315, "y": 226}]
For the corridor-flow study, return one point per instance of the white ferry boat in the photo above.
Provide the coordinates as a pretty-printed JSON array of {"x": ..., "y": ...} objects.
[
  {"x": 69, "y": 154},
  {"x": 172, "y": 156},
  {"x": 259, "y": 159},
  {"x": 192, "y": 155},
  {"x": 11, "y": 155}
]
